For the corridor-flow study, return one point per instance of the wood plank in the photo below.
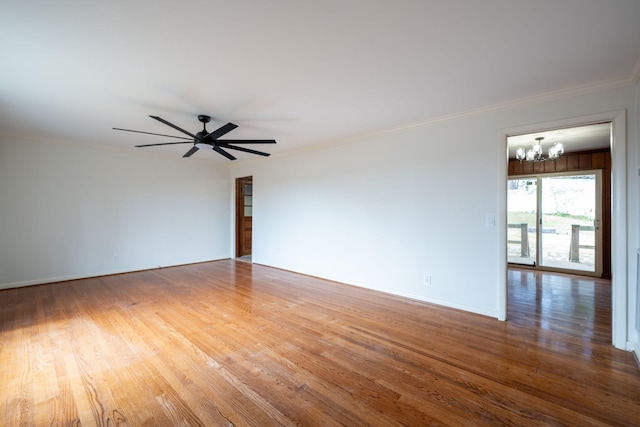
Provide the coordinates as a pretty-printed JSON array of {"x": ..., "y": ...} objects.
[
  {"x": 233, "y": 343},
  {"x": 598, "y": 160},
  {"x": 561, "y": 164},
  {"x": 538, "y": 167},
  {"x": 550, "y": 166},
  {"x": 585, "y": 161},
  {"x": 573, "y": 161},
  {"x": 527, "y": 168}
]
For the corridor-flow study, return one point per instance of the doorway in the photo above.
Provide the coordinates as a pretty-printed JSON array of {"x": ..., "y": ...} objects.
[
  {"x": 617, "y": 211},
  {"x": 244, "y": 217}
]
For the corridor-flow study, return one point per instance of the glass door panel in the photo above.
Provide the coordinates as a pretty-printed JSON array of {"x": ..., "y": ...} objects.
[
  {"x": 522, "y": 219},
  {"x": 248, "y": 199},
  {"x": 569, "y": 227}
]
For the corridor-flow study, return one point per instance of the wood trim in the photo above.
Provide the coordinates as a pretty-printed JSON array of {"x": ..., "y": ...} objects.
[{"x": 240, "y": 223}]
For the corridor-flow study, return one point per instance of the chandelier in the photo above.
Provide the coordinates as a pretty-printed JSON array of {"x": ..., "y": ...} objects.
[{"x": 534, "y": 154}]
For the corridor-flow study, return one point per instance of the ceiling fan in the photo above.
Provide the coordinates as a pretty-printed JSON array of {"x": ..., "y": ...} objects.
[{"x": 207, "y": 140}]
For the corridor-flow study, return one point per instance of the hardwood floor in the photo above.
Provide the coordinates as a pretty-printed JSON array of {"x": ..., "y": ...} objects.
[{"x": 231, "y": 343}]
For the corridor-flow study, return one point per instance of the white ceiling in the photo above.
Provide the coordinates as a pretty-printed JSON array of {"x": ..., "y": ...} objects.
[{"x": 302, "y": 72}]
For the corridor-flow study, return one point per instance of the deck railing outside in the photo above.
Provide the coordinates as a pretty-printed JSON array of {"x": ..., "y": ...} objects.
[{"x": 574, "y": 247}]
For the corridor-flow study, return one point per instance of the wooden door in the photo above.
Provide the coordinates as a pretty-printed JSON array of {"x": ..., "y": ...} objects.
[{"x": 244, "y": 215}]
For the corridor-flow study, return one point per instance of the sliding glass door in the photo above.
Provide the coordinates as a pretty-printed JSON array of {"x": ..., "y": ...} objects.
[{"x": 554, "y": 221}]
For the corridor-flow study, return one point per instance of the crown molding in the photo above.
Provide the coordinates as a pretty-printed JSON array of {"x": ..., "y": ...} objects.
[
  {"x": 600, "y": 86},
  {"x": 635, "y": 74}
]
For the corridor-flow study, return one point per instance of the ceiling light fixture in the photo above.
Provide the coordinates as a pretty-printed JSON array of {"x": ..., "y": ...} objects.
[{"x": 534, "y": 154}]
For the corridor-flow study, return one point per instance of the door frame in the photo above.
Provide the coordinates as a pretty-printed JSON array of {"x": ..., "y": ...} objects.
[
  {"x": 239, "y": 210},
  {"x": 619, "y": 261}
]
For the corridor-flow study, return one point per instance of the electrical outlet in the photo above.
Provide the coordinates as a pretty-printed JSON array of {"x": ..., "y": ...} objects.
[{"x": 427, "y": 279}]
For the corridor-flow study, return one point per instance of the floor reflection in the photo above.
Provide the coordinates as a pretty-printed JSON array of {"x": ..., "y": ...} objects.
[{"x": 564, "y": 311}]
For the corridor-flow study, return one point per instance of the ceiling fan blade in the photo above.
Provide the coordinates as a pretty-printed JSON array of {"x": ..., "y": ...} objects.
[
  {"x": 191, "y": 151},
  {"x": 149, "y": 133},
  {"x": 248, "y": 141},
  {"x": 247, "y": 150},
  {"x": 224, "y": 153},
  {"x": 163, "y": 143},
  {"x": 221, "y": 131},
  {"x": 161, "y": 120}
]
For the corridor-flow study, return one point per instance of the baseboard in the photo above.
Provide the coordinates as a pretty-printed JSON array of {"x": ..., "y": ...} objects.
[
  {"x": 636, "y": 353},
  {"x": 443, "y": 303},
  {"x": 449, "y": 304},
  {"x": 50, "y": 280}
]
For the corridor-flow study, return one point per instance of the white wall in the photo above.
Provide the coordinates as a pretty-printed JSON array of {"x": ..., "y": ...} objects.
[
  {"x": 66, "y": 211},
  {"x": 383, "y": 211},
  {"x": 376, "y": 213}
]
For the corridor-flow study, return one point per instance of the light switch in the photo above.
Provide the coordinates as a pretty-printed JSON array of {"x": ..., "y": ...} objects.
[{"x": 490, "y": 221}]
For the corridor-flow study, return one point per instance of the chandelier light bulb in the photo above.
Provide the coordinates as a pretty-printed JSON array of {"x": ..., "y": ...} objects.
[
  {"x": 531, "y": 155},
  {"x": 559, "y": 148},
  {"x": 537, "y": 148},
  {"x": 556, "y": 151}
]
